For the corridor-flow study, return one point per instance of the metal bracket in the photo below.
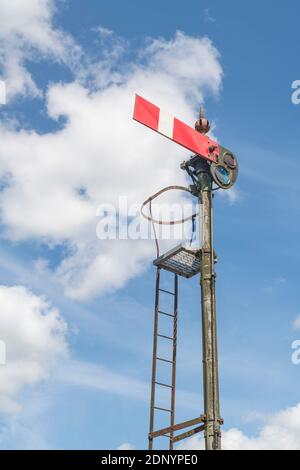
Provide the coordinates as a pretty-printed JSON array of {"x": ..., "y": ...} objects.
[
  {"x": 178, "y": 427},
  {"x": 190, "y": 433}
]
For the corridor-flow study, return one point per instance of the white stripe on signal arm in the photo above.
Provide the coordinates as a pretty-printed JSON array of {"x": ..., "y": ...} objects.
[{"x": 165, "y": 124}]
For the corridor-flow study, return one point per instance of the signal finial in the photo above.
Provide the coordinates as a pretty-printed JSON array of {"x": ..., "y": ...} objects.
[{"x": 202, "y": 125}]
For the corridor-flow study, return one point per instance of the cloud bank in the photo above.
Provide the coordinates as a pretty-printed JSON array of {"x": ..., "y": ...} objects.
[
  {"x": 280, "y": 431},
  {"x": 54, "y": 182},
  {"x": 35, "y": 337},
  {"x": 28, "y": 35}
]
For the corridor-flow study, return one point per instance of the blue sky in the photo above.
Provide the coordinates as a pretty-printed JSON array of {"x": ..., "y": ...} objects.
[{"x": 92, "y": 389}]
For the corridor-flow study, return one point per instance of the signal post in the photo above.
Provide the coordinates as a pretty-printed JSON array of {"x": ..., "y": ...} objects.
[{"x": 211, "y": 167}]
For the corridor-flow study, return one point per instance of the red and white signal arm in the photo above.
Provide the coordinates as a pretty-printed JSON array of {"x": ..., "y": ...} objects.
[{"x": 165, "y": 124}]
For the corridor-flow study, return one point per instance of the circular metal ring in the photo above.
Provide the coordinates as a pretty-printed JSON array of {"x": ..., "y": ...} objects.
[{"x": 167, "y": 222}]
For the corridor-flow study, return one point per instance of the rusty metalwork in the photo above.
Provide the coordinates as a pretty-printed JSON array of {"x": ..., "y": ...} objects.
[
  {"x": 205, "y": 176},
  {"x": 180, "y": 260},
  {"x": 205, "y": 169},
  {"x": 168, "y": 432},
  {"x": 174, "y": 360},
  {"x": 209, "y": 328},
  {"x": 187, "y": 434},
  {"x": 171, "y": 362},
  {"x": 186, "y": 263},
  {"x": 152, "y": 403},
  {"x": 202, "y": 125},
  {"x": 178, "y": 427}
]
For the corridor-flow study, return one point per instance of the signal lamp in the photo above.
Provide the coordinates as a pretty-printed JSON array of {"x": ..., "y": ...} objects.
[
  {"x": 229, "y": 160},
  {"x": 225, "y": 171},
  {"x": 222, "y": 175}
]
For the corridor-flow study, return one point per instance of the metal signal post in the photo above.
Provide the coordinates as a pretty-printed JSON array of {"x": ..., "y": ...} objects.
[
  {"x": 203, "y": 190},
  {"x": 213, "y": 420},
  {"x": 209, "y": 323}
]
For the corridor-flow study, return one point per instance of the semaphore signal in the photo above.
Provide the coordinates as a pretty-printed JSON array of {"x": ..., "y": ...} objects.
[{"x": 210, "y": 164}]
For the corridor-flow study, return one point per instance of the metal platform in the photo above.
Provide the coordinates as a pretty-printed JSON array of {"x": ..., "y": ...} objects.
[{"x": 180, "y": 260}]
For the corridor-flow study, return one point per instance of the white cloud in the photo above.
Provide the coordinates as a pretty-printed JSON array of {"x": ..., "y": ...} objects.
[
  {"x": 28, "y": 429},
  {"x": 232, "y": 195},
  {"x": 2, "y": 92},
  {"x": 88, "y": 375},
  {"x": 102, "y": 151},
  {"x": 34, "y": 335},
  {"x": 281, "y": 431},
  {"x": 125, "y": 446},
  {"x": 27, "y": 33},
  {"x": 296, "y": 323}
]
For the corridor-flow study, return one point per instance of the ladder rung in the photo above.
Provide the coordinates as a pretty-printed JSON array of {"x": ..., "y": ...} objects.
[
  {"x": 164, "y": 385},
  {"x": 165, "y": 360},
  {"x": 162, "y": 409},
  {"x": 165, "y": 313},
  {"x": 166, "y": 337},
  {"x": 166, "y": 291}
]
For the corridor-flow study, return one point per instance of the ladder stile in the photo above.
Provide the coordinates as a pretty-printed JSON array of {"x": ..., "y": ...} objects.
[
  {"x": 152, "y": 404},
  {"x": 174, "y": 360}
]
